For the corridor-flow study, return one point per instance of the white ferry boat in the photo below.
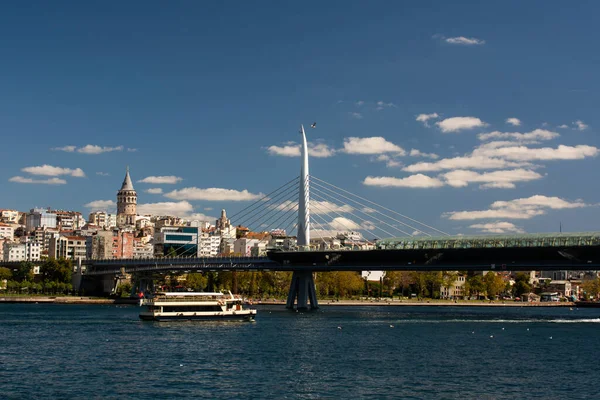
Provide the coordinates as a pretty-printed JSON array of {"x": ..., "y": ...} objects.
[{"x": 195, "y": 306}]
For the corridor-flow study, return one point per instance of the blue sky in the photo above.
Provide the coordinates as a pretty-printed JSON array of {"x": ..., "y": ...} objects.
[{"x": 212, "y": 93}]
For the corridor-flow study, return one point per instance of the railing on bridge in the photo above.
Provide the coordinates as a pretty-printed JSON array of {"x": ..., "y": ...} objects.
[{"x": 492, "y": 241}]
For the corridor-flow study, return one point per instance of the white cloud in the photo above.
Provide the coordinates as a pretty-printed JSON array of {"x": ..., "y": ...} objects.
[
  {"x": 68, "y": 149},
  {"x": 418, "y": 153},
  {"x": 292, "y": 149},
  {"x": 154, "y": 190},
  {"x": 177, "y": 209},
  {"x": 524, "y": 208},
  {"x": 368, "y": 210},
  {"x": 157, "y": 180},
  {"x": 464, "y": 41},
  {"x": 102, "y": 173},
  {"x": 371, "y": 145},
  {"x": 356, "y": 115},
  {"x": 317, "y": 207},
  {"x": 464, "y": 162},
  {"x": 49, "y": 170},
  {"x": 381, "y": 105},
  {"x": 513, "y": 121},
  {"x": 498, "y": 227},
  {"x": 213, "y": 194},
  {"x": 523, "y": 153},
  {"x": 580, "y": 125},
  {"x": 50, "y": 181},
  {"x": 101, "y": 204},
  {"x": 359, "y": 103},
  {"x": 563, "y": 126},
  {"x": 208, "y": 208},
  {"x": 95, "y": 149},
  {"x": 456, "y": 124},
  {"x": 199, "y": 217},
  {"x": 389, "y": 161},
  {"x": 498, "y": 179},
  {"x": 426, "y": 117},
  {"x": 131, "y": 150},
  {"x": 536, "y": 134},
  {"x": 344, "y": 224},
  {"x": 413, "y": 181}
]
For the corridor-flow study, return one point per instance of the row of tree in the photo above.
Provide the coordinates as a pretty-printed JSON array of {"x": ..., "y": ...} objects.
[
  {"x": 54, "y": 277},
  {"x": 350, "y": 284}
]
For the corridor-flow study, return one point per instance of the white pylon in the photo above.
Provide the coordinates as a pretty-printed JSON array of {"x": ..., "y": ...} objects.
[{"x": 304, "y": 197}]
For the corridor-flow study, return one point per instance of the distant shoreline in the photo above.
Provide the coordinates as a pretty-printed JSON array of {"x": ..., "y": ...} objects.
[{"x": 322, "y": 303}]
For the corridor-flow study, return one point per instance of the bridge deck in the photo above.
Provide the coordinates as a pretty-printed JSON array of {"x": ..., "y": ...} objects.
[{"x": 492, "y": 241}]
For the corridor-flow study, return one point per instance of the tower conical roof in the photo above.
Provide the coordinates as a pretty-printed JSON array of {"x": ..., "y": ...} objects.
[{"x": 127, "y": 185}]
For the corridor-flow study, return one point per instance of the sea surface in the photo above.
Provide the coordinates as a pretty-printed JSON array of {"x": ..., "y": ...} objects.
[{"x": 403, "y": 352}]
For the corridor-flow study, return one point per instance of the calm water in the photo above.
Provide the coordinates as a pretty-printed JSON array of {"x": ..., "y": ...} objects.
[{"x": 93, "y": 351}]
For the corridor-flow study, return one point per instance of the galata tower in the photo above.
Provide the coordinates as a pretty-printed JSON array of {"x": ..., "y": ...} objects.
[{"x": 126, "y": 203}]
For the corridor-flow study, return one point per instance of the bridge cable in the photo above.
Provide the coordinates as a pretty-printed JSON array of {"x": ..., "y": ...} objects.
[
  {"x": 285, "y": 207},
  {"x": 370, "y": 216},
  {"x": 378, "y": 205},
  {"x": 342, "y": 223},
  {"x": 295, "y": 180},
  {"x": 265, "y": 205},
  {"x": 363, "y": 212},
  {"x": 361, "y": 219},
  {"x": 272, "y": 209}
]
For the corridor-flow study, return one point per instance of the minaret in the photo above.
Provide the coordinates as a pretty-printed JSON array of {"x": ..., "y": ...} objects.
[
  {"x": 304, "y": 197},
  {"x": 126, "y": 203}
]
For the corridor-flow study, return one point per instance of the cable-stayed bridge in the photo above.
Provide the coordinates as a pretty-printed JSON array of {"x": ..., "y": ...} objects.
[{"x": 338, "y": 230}]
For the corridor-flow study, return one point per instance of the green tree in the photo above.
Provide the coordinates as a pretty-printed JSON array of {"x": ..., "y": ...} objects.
[
  {"x": 5, "y": 273},
  {"x": 57, "y": 270},
  {"x": 493, "y": 283},
  {"x": 475, "y": 284},
  {"x": 522, "y": 285},
  {"x": 196, "y": 281},
  {"x": 591, "y": 287},
  {"x": 23, "y": 272},
  {"x": 172, "y": 252}
]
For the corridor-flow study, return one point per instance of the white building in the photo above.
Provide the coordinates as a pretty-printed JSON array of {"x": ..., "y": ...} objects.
[
  {"x": 9, "y": 216},
  {"x": 455, "y": 290},
  {"x": 29, "y": 251},
  {"x": 102, "y": 219},
  {"x": 243, "y": 246},
  {"x": 7, "y": 232},
  {"x": 39, "y": 217},
  {"x": 142, "y": 248},
  {"x": 69, "y": 247},
  {"x": 209, "y": 245}
]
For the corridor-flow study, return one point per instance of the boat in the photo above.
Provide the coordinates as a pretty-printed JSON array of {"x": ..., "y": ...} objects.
[{"x": 166, "y": 306}]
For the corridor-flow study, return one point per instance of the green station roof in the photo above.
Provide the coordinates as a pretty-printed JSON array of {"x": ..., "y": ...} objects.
[{"x": 481, "y": 241}]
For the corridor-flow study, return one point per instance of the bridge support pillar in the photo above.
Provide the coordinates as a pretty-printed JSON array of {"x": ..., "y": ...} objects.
[{"x": 302, "y": 290}]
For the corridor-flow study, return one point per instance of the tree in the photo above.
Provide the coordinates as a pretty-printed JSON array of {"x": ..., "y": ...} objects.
[
  {"x": 196, "y": 281},
  {"x": 23, "y": 272},
  {"x": 493, "y": 283},
  {"x": 521, "y": 285},
  {"x": 591, "y": 287},
  {"x": 5, "y": 273},
  {"x": 476, "y": 284},
  {"x": 448, "y": 279},
  {"x": 57, "y": 270}
]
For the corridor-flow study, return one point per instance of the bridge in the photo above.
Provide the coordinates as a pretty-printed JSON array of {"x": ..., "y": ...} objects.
[{"x": 425, "y": 249}]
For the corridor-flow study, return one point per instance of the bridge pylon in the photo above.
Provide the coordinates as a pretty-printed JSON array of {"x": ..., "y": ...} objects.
[{"x": 302, "y": 288}]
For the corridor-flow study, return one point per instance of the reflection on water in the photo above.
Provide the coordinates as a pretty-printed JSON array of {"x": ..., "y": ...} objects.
[{"x": 81, "y": 351}]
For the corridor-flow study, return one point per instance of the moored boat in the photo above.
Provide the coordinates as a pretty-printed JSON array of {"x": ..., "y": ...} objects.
[{"x": 195, "y": 306}]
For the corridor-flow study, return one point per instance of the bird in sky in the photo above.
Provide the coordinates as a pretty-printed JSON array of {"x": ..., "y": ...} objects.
[{"x": 314, "y": 125}]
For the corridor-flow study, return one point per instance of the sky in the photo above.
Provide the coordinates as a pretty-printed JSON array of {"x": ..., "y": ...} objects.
[{"x": 473, "y": 117}]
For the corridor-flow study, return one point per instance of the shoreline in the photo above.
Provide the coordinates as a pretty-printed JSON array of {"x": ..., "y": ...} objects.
[{"x": 323, "y": 303}]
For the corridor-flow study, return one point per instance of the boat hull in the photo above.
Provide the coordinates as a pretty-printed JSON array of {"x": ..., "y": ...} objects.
[{"x": 203, "y": 317}]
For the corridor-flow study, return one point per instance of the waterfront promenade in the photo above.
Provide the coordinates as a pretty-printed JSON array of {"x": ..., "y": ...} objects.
[{"x": 375, "y": 302}]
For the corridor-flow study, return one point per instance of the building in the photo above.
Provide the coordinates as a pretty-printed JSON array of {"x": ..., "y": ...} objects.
[
  {"x": 110, "y": 245},
  {"x": 39, "y": 218},
  {"x": 7, "y": 231},
  {"x": 243, "y": 246},
  {"x": 177, "y": 240},
  {"x": 102, "y": 219},
  {"x": 209, "y": 245},
  {"x": 69, "y": 247},
  {"x": 9, "y": 216},
  {"x": 223, "y": 226},
  {"x": 69, "y": 220},
  {"x": 126, "y": 203},
  {"x": 142, "y": 248},
  {"x": 455, "y": 290},
  {"x": 29, "y": 251}
]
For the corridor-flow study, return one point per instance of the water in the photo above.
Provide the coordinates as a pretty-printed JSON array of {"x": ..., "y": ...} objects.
[{"x": 101, "y": 351}]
